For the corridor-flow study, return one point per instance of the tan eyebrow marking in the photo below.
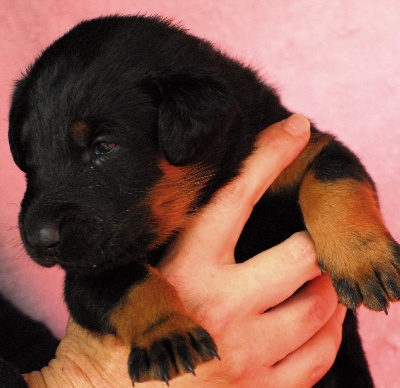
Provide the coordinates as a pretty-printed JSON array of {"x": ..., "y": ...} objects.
[{"x": 79, "y": 132}]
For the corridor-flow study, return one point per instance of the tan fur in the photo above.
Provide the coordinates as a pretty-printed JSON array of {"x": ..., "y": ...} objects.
[
  {"x": 293, "y": 174},
  {"x": 79, "y": 131},
  {"x": 174, "y": 195},
  {"x": 153, "y": 300},
  {"x": 344, "y": 220},
  {"x": 151, "y": 312}
]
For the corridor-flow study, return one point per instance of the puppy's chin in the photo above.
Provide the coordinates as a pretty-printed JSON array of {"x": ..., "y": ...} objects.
[
  {"x": 96, "y": 264},
  {"x": 46, "y": 262},
  {"x": 72, "y": 267}
]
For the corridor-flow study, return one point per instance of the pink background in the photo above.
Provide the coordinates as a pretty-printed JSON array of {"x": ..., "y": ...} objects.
[{"x": 338, "y": 62}]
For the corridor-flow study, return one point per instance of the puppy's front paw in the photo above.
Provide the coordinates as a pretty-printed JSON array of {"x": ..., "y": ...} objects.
[
  {"x": 170, "y": 347},
  {"x": 164, "y": 341},
  {"x": 367, "y": 273},
  {"x": 352, "y": 242}
]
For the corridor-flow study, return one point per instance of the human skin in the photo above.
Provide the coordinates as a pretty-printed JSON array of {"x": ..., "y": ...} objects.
[{"x": 275, "y": 318}]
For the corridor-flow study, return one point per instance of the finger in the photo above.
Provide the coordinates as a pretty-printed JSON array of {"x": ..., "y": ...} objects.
[
  {"x": 292, "y": 263},
  {"x": 308, "y": 364},
  {"x": 254, "y": 286},
  {"x": 281, "y": 331},
  {"x": 217, "y": 227},
  {"x": 291, "y": 324},
  {"x": 265, "y": 280}
]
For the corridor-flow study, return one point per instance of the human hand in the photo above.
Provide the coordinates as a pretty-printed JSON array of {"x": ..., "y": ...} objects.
[{"x": 293, "y": 343}]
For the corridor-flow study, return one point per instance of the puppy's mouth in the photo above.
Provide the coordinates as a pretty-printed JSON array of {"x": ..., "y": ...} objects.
[
  {"x": 79, "y": 266},
  {"x": 68, "y": 265}
]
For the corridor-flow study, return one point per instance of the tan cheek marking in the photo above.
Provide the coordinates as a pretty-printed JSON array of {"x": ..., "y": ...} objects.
[{"x": 173, "y": 196}]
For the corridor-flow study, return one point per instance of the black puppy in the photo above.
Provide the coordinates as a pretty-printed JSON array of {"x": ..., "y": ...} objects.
[{"x": 125, "y": 128}]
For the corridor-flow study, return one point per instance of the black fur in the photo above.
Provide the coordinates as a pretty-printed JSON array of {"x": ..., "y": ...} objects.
[
  {"x": 25, "y": 345},
  {"x": 84, "y": 292},
  {"x": 154, "y": 92},
  {"x": 337, "y": 162}
]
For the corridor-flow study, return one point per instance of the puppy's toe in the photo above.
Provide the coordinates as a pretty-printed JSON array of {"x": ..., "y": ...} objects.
[
  {"x": 171, "y": 353},
  {"x": 372, "y": 277}
]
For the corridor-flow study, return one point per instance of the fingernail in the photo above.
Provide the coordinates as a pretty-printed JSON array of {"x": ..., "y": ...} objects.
[{"x": 297, "y": 125}]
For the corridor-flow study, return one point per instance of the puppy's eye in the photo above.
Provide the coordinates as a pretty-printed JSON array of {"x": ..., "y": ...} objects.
[{"x": 104, "y": 148}]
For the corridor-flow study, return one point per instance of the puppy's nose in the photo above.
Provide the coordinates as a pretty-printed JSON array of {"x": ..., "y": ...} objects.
[{"x": 45, "y": 238}]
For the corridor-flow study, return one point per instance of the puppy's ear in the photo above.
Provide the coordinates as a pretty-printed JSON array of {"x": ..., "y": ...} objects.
[
  {"x": 194, "y": 112},
  {"x": 18, "y": 129}
]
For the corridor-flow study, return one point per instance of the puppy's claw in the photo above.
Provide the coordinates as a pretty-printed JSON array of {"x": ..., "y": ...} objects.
[
  {"x": 137, "y": 360},
  {"x": 168, "y": 357},
  {"x": 165, "y": 378},
  {"x": 162, "y": 358},
  {"x": 349, "y": 294},
  {"x": 204, "y": 344},
  {"x": 184, "y": 355}
]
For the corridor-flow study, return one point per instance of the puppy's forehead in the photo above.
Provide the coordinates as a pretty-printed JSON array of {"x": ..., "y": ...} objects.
[{"x": 73, "y": 106}]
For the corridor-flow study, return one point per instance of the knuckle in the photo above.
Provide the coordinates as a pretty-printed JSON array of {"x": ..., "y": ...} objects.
[
  {"x": 233, "y": 193},
  {"x": 325, "y": 357},
  {"x": 238, "y": 367},
  {"x": 322, "y": 362},
  {"x": 237, "y": 196},
  {"x": 322, "y": 301},
  {"x": 302, "y": 248},
  {"x": 215, "y": 313},
  {"x": 320, "y": 366},
  {"x": 317, "y": 312}
]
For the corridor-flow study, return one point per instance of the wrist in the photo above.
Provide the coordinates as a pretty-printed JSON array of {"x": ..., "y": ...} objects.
[
  {"x": 62, "y": 372},
  {"x": 84, "y": 360}
]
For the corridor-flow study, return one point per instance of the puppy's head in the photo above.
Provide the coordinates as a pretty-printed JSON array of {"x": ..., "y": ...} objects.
[{"x": 121, "y": 127}]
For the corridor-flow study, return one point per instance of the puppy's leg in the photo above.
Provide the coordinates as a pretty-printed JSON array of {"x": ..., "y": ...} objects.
[
  {"x": 340, "y": 210},
  {"x": 165, "y": 342},
  {"x": 147, "y": 315}
]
